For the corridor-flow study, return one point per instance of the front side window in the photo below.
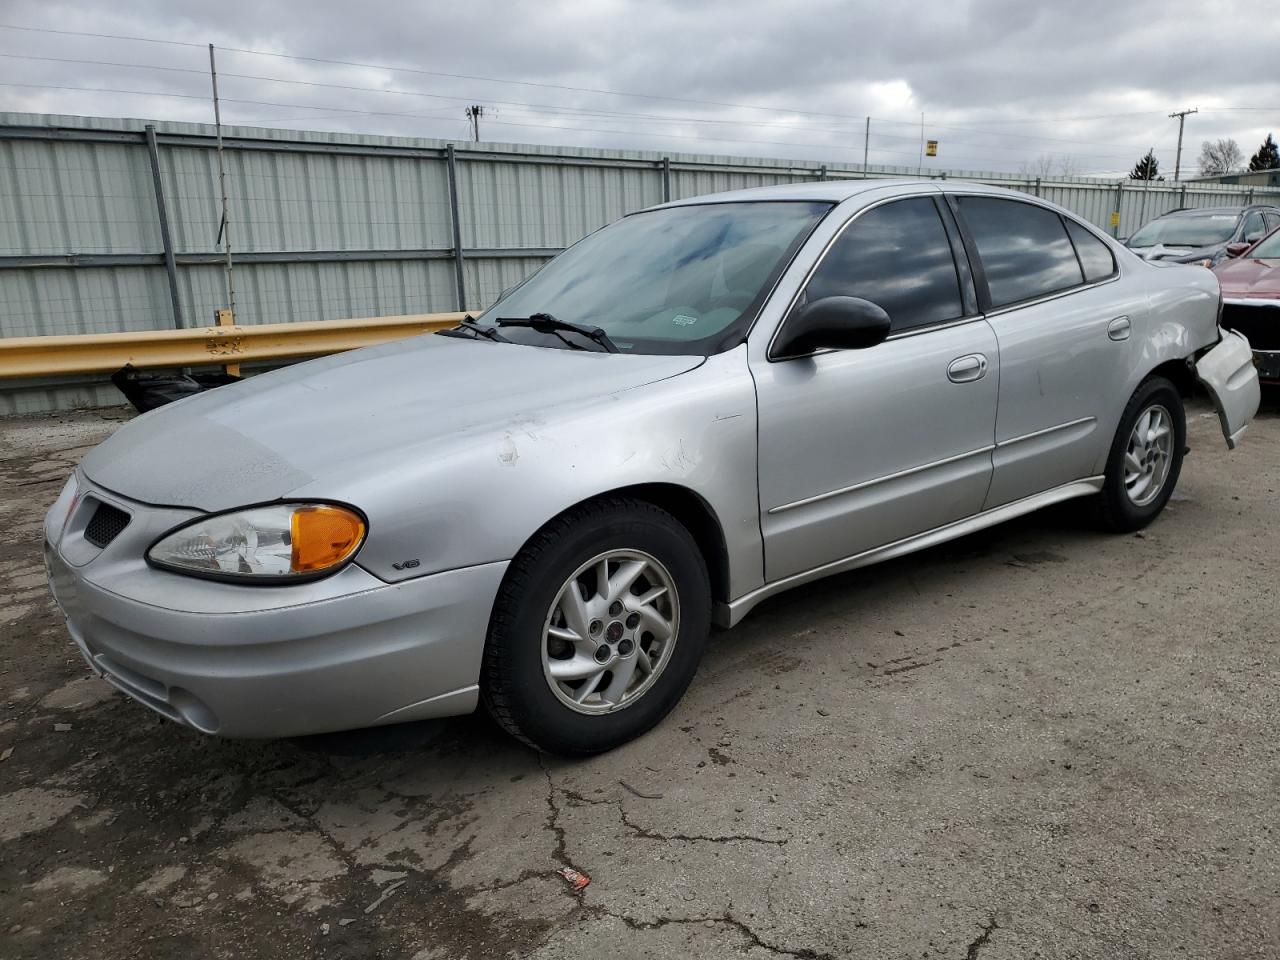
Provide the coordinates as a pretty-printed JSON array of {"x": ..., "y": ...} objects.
[
  {"x": 677, "y": 280},
  {"x": 1254, "y": 228},
  {"x": 1268, "y": 249},
  {"x": 1024, "y": 249},
  {"x": 898, "y": 257},
  {"x": 1095, "y": 256}
]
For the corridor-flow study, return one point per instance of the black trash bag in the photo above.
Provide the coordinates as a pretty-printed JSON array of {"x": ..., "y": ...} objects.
[{"x": 146, "y": 391}]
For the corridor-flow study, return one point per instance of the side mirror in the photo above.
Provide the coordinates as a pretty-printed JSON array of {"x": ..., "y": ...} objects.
[
  {"x": 832, "y": 323},
  {"x": 1235, "y": 249}
]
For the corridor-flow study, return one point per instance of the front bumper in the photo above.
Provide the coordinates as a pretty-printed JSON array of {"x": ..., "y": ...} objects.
[
  {"x": 1258, "y": 319},
  {"x": 341, "y": 653}
]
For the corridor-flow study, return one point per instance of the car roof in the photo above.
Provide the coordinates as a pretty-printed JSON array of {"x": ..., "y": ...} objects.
[
  {"x": 1219, "y": 211},
  {"x": 833, "y": 191}
]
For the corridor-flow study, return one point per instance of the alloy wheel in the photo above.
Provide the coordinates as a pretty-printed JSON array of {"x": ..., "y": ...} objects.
[
  {"x": 1148, "y": 455},
  {"x": 610, "y": 631}
]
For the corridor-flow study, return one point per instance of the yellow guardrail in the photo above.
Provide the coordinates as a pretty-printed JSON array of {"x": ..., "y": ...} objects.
[{"x": 202, "y": 346}]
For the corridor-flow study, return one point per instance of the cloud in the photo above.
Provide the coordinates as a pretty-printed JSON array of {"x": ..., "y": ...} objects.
[{"x": 1001, "y": 82}]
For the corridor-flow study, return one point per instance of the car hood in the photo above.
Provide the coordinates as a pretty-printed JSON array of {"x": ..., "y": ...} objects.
[
  {"x": 1161, "y": 252},
  {"x": 258, "y": 440},
  {"x": 1253, "y": 278}
]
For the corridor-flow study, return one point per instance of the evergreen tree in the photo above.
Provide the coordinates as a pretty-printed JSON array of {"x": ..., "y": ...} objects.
[
  {"x": 1148, "y": 168},
  {"x": 1267, "y": 157}
]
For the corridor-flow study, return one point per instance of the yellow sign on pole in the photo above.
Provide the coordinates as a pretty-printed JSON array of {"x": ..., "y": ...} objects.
[
  {"x": 1115, "y": 218},
  {"x": 931, "y": 148}
]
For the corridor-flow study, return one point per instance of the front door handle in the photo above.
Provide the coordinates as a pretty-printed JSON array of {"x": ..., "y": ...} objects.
[
  {"x": 1118, "y": 329},
  {"x": 968, "y": 368}
]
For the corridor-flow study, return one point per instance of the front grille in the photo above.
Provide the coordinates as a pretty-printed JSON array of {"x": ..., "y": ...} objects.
[
  {"x": 105, "y": 525},
  {"x": 1260, "y": 324}
]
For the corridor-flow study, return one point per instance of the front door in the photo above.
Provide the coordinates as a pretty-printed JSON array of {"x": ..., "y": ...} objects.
[{"x": 860, "y": 448}]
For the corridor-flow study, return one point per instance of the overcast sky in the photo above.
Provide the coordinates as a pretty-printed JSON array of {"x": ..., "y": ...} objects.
[{"x": 1003, "y": 84}]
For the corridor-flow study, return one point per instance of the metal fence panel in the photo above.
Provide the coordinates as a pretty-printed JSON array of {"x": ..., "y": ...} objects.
[{"x": 328, "y": 225}]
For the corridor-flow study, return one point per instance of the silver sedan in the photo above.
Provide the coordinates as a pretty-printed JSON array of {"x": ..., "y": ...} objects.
[{"x": 696, "y": 407}]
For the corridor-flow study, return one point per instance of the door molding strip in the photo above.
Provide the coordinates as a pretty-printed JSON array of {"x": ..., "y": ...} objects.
[
  {"x": 910, "y": 471},
  {"x": 1001, "y": 444}
]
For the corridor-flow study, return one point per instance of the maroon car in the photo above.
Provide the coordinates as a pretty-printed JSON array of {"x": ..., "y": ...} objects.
[{"x": 1251, "y": 300}]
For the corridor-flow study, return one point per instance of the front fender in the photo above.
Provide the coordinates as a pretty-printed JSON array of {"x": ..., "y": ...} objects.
[{"x": 481, "y": 496}]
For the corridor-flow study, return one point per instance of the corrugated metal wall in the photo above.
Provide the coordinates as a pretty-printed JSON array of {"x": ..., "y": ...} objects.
[{"x": 328, "y": 226}]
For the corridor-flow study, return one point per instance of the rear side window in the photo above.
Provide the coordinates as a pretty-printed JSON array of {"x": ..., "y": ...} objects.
[
  {"x": 898, "y": 257},
  {"x": 1024, "y": 248},
  {"x": 1095, "y": 257}
]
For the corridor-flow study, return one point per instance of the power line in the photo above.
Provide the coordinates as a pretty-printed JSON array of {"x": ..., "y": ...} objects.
[
  {"x": 379, "y": 113},
  {"x": 554, "y": 109},
  {"x": 555, "y": 86}
]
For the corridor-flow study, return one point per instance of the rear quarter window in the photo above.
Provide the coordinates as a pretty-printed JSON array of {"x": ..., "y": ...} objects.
[
  {"x": 1095, "y": 256},
  {"x": 1025, "y": 250}
]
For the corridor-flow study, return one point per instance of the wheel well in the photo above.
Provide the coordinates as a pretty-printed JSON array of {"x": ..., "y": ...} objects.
[
  {"x": 1180, "y": 373},
  {"x": 697, "y": 517}
]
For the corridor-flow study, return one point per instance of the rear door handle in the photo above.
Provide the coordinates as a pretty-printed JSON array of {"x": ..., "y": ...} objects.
[
  {"x": 1118, "y": 329},
  {"x": 968, "y": 368}
]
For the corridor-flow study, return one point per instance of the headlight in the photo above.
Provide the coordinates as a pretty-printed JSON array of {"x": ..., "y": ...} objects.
[{"x": 285, "y": 542}]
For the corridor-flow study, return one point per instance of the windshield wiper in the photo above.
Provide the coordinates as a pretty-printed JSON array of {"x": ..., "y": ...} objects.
[
  {"x": 477, "y": 330},
  {"x": 546, "y": 323}
]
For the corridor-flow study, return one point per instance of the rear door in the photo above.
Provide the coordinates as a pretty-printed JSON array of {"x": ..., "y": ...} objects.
[
  {"x": 1063, "y": 328},
  {"x": 859, "y": 448}
]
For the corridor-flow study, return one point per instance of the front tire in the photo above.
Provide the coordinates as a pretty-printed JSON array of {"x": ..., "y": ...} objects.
[
  {"x": 1146, "y": 457},
  {"x": 598, "y": 628}
]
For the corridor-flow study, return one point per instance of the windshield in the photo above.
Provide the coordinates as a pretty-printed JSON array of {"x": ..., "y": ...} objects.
[
  {"x": 1268, "y": 248},
  {"x": 682, "y": 280},
  {"x": 1196, "y": 230}
]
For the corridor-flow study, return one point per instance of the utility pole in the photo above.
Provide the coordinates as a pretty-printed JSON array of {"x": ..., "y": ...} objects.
[
  {"x": 1181, "y": 116},
  {"x": 224, "y": 229},
  {"x": 866, "y": 147},
  {"x": 920, "y": 165},
  {"x": 474, "y": 113}
]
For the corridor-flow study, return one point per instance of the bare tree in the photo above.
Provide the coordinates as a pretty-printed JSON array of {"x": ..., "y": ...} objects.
[
  {"x": 1068, "y": 166},
  {"x": 1222, "y": 156},
  {"x": 1041, "y": 166}
]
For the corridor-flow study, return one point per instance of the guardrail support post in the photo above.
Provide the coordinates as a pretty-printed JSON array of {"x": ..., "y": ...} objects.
[
  {"x": 666, "y": 179},
  {"x": 458, "y": 277},
  {"x": 1037, "y": 188},
  {"x": 170, "y": 265}
]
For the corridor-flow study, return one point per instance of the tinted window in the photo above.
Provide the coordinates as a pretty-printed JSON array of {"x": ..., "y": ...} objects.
[
  {"x": 1094, "y": 256},
  {"x": 1272, "y": 221},
  {"x": 1253, "y": 227},
  {"x": 1024, "y": 249},
  {"x": 896, "y": 256}
]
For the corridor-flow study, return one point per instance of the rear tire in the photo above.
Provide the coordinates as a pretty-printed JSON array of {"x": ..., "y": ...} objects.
[
  {"x": 1145, "y": 458},
  {"x": 569, "y": 675}
]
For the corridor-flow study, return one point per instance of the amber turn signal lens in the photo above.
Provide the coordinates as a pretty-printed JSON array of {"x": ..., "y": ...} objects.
[{"x": 323, "y": 536}]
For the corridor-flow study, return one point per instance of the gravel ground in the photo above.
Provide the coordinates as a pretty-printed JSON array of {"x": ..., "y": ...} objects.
[{"x": 1038, "y": 741}]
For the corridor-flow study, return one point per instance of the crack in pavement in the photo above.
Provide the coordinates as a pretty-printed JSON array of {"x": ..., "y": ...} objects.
[
  {"x": 802, "y": 953},
  {"x": 981, "y": 941},
  {"x": 648, "y": 834}
]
